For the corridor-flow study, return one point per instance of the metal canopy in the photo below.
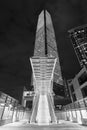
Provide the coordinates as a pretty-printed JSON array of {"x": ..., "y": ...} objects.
[{"x": 43, "y": 68}]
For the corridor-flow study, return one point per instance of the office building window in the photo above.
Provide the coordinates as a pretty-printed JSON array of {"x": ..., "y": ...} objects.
[
  {"x": 84, "y": 91},
  {"x": 29, "y": 104},
  {"x": 72, "y": 88},
  {"x": 83, "y": 78},
  {"x": 74, "y": 97}
]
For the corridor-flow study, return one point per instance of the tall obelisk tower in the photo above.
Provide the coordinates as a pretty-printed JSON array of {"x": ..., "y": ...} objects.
[
  {"x": 46, "y": 69},
  {"x": 45, "y": 43}
]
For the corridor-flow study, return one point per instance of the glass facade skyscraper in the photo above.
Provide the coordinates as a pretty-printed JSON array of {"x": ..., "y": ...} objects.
[
  {"x": 45, "y": 70},
  {"x": 45, "y": 43}
]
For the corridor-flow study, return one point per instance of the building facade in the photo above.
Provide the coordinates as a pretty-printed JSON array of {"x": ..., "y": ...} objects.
[
  {"x": 78, "y": 86},
  {"x": 76, "y": 111},
  {"x": 79, "y": 40}
]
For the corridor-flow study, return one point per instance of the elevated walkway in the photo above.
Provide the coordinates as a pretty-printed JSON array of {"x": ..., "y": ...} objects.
[{"x": 43, "y": 111}]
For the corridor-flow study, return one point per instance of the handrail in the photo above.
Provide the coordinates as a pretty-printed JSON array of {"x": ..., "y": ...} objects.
[
  {"x": 34, "y": 112},
  {"x": 80, "y": 104},
  {"x": 52, "y": 113}
]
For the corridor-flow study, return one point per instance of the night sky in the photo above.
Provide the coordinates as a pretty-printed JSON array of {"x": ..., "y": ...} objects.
[{"x": 18, "y": 20}]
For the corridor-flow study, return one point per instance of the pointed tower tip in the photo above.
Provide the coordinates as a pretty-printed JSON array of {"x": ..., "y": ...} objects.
[{"x": 44, "y": 10}]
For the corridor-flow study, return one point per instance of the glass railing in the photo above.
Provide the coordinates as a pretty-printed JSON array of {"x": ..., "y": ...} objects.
[{"x": 77, "y": 111}]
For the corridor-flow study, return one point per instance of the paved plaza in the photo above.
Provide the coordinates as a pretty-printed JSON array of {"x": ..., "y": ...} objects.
[{"x": 24, "y": 125}]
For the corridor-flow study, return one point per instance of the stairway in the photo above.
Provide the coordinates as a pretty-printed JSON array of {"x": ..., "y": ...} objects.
[
  {"x": 52, "y": 112},
  {"x": 43, "y": 113}
]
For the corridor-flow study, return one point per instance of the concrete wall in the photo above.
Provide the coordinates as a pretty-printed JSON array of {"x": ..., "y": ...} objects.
[
  {"x": 27, "y": 115},
  {"x": 77, "y": 89},
  {"x": 61, "y": 115}
]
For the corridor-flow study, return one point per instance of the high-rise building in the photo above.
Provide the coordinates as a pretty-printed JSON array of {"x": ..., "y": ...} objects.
[
  {"x": 45, "y": 43},
  {"x": 79, "y": 40},
  {"x": 45, "y": 70}
]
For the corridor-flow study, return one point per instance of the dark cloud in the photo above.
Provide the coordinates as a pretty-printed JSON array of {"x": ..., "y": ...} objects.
[{"x": 18, "y": 20}]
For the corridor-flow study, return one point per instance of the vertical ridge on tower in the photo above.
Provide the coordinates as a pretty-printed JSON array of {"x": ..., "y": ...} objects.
[{"x": 45, "y": 32}]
